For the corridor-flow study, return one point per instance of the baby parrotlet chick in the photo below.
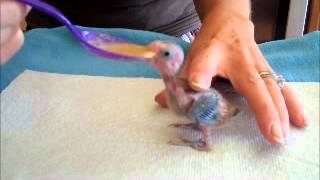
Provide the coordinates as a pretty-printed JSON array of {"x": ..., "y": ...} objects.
[{"x": 204, "y": 108}]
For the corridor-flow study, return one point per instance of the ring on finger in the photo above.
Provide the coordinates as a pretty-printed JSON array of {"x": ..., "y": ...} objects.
[{"x": 277, "y": 78}]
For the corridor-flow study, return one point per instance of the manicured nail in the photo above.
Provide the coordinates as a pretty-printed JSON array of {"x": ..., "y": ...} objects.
[
  {"x": 276, "y": 133},
  {"x": 199, "y": 82},
  {"x": 286, "y": 135},
  {"x": 306, "y": 122}
]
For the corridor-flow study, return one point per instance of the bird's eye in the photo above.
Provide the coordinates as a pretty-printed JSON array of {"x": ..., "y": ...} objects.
[{"x": 167, "y": 53}]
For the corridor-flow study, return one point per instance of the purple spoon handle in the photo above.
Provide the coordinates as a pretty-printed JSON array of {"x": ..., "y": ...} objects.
[
  {"x": 52, "y": 11},
  {"x": 84, "y": 36}
]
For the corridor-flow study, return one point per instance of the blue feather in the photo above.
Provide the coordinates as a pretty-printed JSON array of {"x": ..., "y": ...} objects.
[{"x": 206, "y": 110}]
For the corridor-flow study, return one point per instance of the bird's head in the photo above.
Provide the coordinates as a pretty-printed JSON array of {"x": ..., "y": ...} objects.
[{"x": 168, "y": 57}]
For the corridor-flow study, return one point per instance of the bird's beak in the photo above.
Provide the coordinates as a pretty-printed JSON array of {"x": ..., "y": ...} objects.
[{"x": 128, "y": 49}]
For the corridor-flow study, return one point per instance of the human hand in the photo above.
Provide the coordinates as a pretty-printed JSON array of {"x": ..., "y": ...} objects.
[
  {"x": 11, "y": 15},
  {"x": 225, "y": 47}
]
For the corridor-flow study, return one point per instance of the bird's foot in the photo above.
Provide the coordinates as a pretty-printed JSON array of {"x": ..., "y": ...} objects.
[
  {"x": 193, "y": 126},
  {"x": 199, "y": 145}
]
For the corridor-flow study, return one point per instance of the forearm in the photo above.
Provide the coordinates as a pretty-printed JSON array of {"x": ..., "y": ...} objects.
[{"x": 234, "y": 7}]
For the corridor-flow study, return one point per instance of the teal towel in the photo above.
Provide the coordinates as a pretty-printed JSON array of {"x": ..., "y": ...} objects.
[{"x": 56, "y": 51}]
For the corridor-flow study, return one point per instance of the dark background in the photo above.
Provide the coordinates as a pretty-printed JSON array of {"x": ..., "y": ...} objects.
[{"x": 270, "y": 19}]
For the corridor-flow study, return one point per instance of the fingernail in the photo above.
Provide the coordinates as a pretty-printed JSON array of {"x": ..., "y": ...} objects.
[
  {"x": 277, "y": 134},
  {"x": 199, "y": 82},
  {"x": 286, "y": 130},
  {"x": 306, "y": 122},
  {"x": 285, "y": 135}
]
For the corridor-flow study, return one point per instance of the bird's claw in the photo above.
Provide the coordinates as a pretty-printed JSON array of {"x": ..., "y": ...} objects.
[
  {"x": 193, "y": 126},
  {"x": 199, "y": 145}
]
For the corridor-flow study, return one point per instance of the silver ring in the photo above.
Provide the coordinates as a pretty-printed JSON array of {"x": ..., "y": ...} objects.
[{"x": 278, "y": 78}]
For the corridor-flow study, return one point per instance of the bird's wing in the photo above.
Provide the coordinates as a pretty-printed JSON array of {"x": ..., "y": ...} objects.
[{"x": 205, "y": 109}]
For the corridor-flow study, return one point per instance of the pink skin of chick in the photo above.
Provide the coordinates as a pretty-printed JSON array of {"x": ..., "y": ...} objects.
[{"x": 183, "y": 100}]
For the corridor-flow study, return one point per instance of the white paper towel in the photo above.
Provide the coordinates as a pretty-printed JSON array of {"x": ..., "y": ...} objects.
[{"x": 64, "y": 127}]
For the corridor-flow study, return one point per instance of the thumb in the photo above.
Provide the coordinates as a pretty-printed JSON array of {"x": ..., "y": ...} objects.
[
  {"x": 8, "y": 49},
  {"x": 12, "y": 13},
  {"x": 203, "y": 66}
]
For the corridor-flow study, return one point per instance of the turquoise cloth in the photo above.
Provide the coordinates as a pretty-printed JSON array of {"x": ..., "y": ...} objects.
[{"x": 56, "y": 51}]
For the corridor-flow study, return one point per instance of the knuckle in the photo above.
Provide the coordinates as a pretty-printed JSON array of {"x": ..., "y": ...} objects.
[
  {"x": 236, "y": 43},
  {"x": 253, "y": 78}
]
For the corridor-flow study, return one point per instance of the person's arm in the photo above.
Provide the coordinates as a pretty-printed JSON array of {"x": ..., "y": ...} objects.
[
  {"x": 240, "y": 7},
  {"x": 225, "y": 47}
]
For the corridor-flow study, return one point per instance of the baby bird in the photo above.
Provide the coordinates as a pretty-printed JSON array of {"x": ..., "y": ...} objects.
[{"x": 205, "y": 108}]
